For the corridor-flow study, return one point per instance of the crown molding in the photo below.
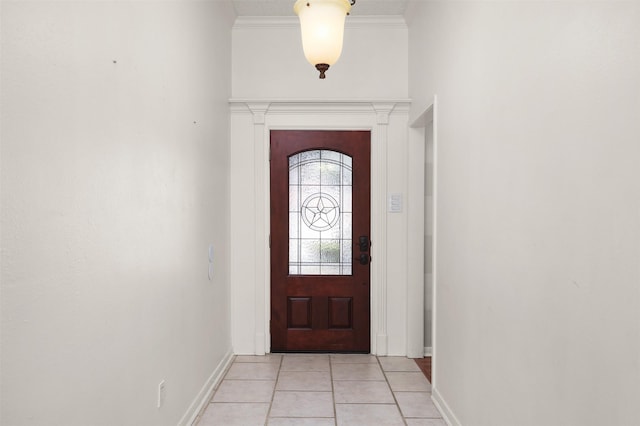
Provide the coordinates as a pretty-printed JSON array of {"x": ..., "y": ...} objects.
[{"x": 352, "y": 22}]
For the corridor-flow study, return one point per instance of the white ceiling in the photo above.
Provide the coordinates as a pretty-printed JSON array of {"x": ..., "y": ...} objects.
[{"x": 285, "y": 7}]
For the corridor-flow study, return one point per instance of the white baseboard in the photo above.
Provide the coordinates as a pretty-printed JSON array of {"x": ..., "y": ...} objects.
[
  {"x": 428, "y": 351},
  {"x": 382, "y": 345},
  {"x": 259, "y": 344},
  {"x": 205, "y": 394},
  {"x": 443, "y": 407}
]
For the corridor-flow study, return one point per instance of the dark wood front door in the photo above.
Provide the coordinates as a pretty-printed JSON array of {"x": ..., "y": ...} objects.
[{"x": 320, "y": 222}]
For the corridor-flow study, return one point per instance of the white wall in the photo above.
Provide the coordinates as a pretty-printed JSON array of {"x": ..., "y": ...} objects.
[
  {"x": 538, "y": 263},
  {"x": 114, "y": 182},
  {"x": 268, "y": 61}
]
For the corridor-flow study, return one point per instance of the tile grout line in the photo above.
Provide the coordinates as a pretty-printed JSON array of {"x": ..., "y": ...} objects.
[
  {"x": 273, "y": 394},
  {"x": 384, "y": 373},
  {"x": 333, "y": 392}
]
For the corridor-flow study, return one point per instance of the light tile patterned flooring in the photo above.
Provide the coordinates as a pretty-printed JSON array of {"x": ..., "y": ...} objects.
[{"x": 322, "y": 390}]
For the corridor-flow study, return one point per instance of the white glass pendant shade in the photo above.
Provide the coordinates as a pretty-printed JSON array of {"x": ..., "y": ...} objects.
[{"x": 322, "y": 26}]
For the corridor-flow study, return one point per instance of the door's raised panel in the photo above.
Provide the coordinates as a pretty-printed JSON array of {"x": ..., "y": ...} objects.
[
  {"x": 299, "y": 312},
  {"x": 340, "y": 312}
]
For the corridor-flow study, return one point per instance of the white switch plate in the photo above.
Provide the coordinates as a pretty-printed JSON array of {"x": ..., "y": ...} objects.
[{"x": 395, "y": 203}]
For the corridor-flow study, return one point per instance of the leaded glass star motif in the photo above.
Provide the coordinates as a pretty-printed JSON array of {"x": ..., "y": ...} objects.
[{"x": 320, "y": 212}]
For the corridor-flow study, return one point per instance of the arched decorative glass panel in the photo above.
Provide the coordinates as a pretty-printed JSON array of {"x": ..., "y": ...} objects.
[{"x": 320, "y": 213}]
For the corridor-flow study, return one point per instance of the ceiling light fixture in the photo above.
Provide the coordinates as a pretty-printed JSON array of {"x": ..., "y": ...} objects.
[{"x": 322, "y": 26}]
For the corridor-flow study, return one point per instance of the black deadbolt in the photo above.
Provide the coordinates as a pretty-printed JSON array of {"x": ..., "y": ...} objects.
[{"x": 364, "y": 243}]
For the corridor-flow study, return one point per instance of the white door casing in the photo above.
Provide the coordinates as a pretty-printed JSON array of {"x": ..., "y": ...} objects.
[{"x": 251, "y": 122}]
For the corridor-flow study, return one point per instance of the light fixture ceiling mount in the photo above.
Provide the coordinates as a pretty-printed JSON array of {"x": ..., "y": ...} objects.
[{"x": 322, "y": 28}]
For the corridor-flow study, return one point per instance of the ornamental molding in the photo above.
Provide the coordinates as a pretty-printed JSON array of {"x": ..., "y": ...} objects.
[{"x": 381, "y": 107}]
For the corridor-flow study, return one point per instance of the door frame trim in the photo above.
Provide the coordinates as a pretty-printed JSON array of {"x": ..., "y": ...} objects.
[
  {"x": 252, "y": 288},
  {"x": 422, "y": 128}
]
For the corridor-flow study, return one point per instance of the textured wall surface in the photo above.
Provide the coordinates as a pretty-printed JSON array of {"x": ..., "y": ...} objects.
[
  {"x": 114, "y": 183},
  {"x": 538, "y": 235}
]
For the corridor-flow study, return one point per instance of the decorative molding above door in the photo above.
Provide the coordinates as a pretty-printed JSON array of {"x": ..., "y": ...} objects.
[{"x": 251, "y": 121}]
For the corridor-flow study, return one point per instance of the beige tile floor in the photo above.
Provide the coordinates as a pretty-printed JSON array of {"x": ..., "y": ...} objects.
[{"x": 322, "y": 390}]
